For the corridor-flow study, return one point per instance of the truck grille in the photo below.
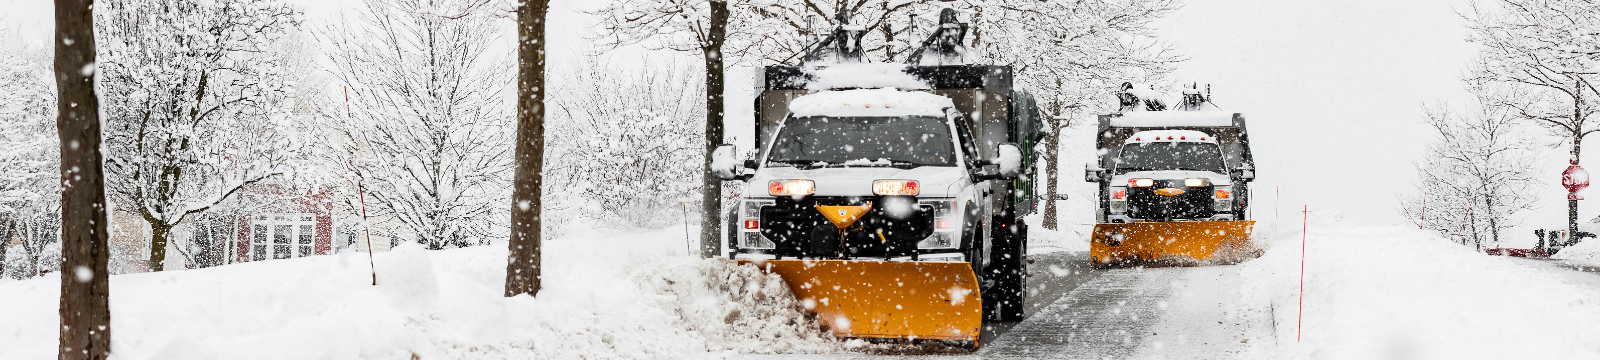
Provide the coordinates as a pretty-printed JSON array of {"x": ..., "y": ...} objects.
[
  {"x": 1194, "y": 203},
  {"x": 799, "y": 230}
]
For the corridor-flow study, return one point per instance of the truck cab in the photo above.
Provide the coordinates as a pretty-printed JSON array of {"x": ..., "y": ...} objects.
[
  {"x": 907, "y": 161},
  {"x": 1187, "y": 161}
]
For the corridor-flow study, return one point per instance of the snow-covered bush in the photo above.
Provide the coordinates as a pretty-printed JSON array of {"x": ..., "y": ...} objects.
[{"x": 627, "y": 141}]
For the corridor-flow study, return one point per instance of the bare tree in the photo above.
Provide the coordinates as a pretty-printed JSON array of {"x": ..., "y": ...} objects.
[
  {"x": 706, "y": 27},
  {"x": 1547, "y": 50},
  {"x": 29, "y": 195},
  {"x": 523, "y": 264},
  {"x": 1477, "y": 173},
  {"x": 429, "y": 134},
  {"x": 85, "y": 285},
  {"x": 1075, "y": 54},
  {"x": 193, "y": 121},
  {"x": 620, "y": 140}
]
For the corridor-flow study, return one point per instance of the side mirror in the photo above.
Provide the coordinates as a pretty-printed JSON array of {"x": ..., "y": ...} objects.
[
  {"x": 1010, "y": 161},
  {"x": 1245, "y": 173},
  {"x": 1093, "y": 174},
  {"x": 725, "y": 164}
]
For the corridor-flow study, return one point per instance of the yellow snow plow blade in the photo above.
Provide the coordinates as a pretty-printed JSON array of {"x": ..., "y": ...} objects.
[
  {"x": 883, "y": 299},
  {"x": 1174, "y": 243}
]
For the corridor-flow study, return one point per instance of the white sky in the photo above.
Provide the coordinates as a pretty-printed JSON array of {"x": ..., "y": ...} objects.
[{"x": 1333, "y": 90}]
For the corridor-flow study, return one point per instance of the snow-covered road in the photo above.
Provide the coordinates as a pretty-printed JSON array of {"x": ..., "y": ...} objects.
[
  {"x": 1135, "y": 313},
  {"x": 1370, "y": 293},
  {"x": 1576, "y": 273}
]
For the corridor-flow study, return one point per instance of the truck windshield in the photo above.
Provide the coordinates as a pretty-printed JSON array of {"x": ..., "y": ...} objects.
[
  {"x": 1170, "y": 156},
  {"x": 899, "y": 141}
]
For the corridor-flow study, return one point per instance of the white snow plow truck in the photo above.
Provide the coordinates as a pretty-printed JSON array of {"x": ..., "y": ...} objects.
[
  {"x": 1174, "y": 184},
  {"x": 888, "y": 195}
]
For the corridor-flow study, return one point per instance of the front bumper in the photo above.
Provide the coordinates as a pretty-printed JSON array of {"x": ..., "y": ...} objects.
[
  {"x": 1124, "y": 218},
  {"x": 790, "y": 228}
]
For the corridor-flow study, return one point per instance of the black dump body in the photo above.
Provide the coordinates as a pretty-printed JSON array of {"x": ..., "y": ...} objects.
[{"x": 800, "y": 231}]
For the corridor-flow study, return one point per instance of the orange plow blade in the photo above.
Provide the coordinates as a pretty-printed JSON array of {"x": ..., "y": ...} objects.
[
  {"x": 1175, "y": 243},
  {"x": 885, "y": 299}
]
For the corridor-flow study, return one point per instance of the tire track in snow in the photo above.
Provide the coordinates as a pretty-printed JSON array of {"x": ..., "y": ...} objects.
[{"x": 1104, "y": 318}]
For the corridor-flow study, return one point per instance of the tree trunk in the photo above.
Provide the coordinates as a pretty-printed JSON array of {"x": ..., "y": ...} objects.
[
  {"x": 1494, "y": 226},
  {"x": 159, "y": 233},
  {"x": 1051, "y": 169},
  {"x": 85, "y": 287},
  {"x": 7, "y": 228},
  {"x": 523, "y": 265},
  {"x": 26, "y": 233},
  {"x": 711, "y": 190}
]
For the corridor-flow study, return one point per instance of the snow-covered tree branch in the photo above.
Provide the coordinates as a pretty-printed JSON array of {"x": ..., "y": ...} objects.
[
  {"x": 429, "y": 142},
  {"x": 193, "y": 91},
  {"x": 620, "y": 139},
  {"x": 30, "y": 201},
  {"x": 1476, "y": 174}
]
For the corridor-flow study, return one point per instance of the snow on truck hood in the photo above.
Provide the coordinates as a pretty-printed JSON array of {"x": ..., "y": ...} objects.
[
  {"x": 936, "y": 181},
  {"x": 870, "y": 102},
  {"x": 1216, "y": 179}
]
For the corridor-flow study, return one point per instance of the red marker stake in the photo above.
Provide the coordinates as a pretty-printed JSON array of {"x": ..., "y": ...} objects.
[{"x": 1300, "y": 322}]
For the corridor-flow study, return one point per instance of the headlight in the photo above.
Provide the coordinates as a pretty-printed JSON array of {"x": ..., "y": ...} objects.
[
  {"x": 1196, "y": 182},
  {"x": 1141, "y": 182},
  {"x": 895, "y": 187},
  {"x": 1119, "y": 193},
  {"x": 798, "y": 187},
  {"x": 1224, "y": 199}
]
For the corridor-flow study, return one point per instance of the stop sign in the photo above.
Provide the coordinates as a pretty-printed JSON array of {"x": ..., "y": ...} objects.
[{"x": 1574, "y": 179}]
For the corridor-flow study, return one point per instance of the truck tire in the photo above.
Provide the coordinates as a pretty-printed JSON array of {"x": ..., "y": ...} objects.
[{"x": 1007, "y": 273}]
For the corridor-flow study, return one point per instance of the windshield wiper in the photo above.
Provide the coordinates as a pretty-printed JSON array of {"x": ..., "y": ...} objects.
[
  {"x": 898, "y": 164},
  {"x": 902, "y": 164},
  {"x": 802, "y": 164}
]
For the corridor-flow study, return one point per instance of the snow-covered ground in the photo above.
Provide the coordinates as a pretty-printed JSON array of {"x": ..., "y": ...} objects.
[
  {"x": 628, "y": 296},
  {"x": 1585, "y": 252},
  {"x": 1398, "y": 293},
  {"x": 1381, "y": 292}
]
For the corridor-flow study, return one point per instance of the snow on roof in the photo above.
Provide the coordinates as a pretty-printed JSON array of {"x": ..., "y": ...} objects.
[
  {"x": 870, "y": 102},
  {"x": 1170, "y": 135},
  {"x": 869, "y": 75},
  {"x": 1145, "y": 92},
  {"x": 1172, "y": 118}
]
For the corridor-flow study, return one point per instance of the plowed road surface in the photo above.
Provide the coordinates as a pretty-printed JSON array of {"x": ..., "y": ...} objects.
[{"x": 1075, "y": 312}]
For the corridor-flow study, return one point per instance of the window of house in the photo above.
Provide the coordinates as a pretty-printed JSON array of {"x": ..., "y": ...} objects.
[{"x": 283, "y": 236}]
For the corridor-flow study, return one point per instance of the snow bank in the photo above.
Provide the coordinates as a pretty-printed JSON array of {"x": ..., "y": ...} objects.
[
  {"x": 632, "y": 296},
  {"x": 1068, "y": 237},
  {"x": 867, "y": 75},
  {"x": 870, "y": 102},
  {"x": 1587, "y": 251},
  {"x": 1395, "y": 293},
  {"x": 1173, "y": 118}
]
